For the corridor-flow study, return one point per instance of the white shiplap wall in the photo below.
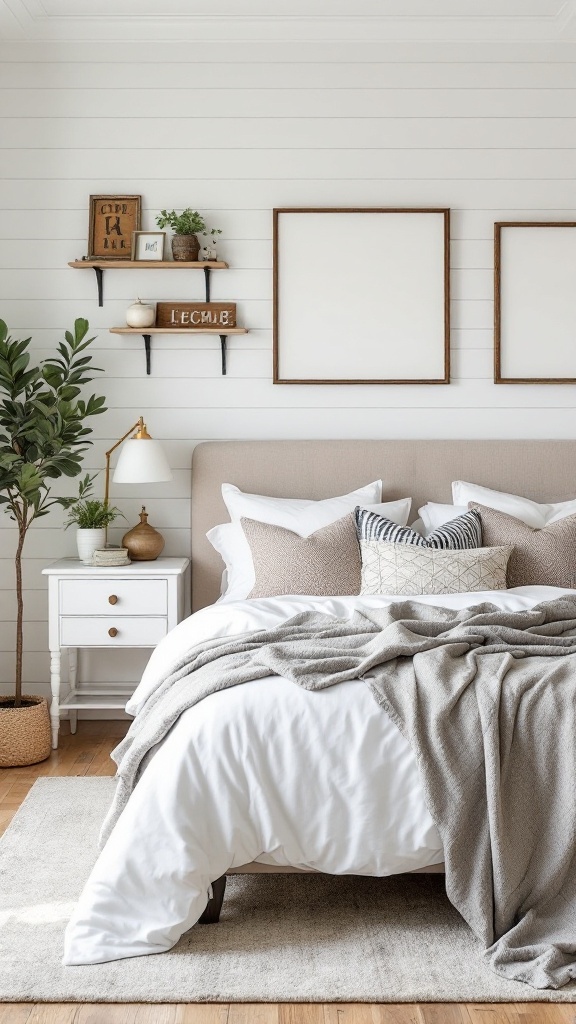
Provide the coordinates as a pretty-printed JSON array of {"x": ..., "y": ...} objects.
[{"x": 234, "y": 118}]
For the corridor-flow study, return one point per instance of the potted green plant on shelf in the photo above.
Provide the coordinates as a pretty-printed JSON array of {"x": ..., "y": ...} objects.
[
  {"x": 43, "y": 436},
  {"x": 92, "y": 518},
  {"x": 185, "y": 244}
]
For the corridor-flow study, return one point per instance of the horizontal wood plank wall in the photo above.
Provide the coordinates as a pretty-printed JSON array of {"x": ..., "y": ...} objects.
[{"x": 322, "y": 114}]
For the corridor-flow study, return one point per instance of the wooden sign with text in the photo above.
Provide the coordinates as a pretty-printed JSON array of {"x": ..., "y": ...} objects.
[
  {"x": 112, "y": 221},
  {"x": 196, "y": 314}
]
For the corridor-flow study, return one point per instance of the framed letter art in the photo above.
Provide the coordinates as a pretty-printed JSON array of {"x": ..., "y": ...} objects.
[
  {"x": 361, "y": 296},
  {"x": 112, "y": 221},
  {"x": 535, "y": 302},
  {"x": 148, "y": 245}
]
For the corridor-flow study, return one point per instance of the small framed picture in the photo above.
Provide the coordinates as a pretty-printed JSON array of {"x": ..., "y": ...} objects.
[{"x": 148, "y": 245}]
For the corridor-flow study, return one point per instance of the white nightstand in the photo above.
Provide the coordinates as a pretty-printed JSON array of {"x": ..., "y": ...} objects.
[{"x": 132, "y": 606}]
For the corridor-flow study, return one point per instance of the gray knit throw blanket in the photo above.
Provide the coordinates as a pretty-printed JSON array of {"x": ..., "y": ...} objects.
[{"x": 487, "y": 700}]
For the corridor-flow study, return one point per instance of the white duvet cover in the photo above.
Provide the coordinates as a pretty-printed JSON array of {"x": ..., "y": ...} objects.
[{"x": 265, "y": 771}]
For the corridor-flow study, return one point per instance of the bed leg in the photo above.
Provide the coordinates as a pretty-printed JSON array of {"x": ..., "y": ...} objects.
[{"x": 212, "y": 913}]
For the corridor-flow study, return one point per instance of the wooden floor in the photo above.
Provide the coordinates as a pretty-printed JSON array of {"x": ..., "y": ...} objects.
[{"x": 87, "y": 753}]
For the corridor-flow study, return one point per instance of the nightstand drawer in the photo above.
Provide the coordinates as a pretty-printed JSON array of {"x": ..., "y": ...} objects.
[
  {"x": 111, "y": 632},
  {"x": 113, "y": 597}
]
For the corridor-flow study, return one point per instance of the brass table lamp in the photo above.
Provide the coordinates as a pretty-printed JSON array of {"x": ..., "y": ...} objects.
[{"x": 141, "y": 461}]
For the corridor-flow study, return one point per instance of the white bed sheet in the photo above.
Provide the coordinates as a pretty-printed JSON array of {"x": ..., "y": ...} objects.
[{"x": 265, "y": 771}]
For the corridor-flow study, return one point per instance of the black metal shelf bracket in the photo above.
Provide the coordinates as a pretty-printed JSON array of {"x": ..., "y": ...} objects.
[
  {"x": 100, "y": 282},
  {"x": 147, "y": 347},
  {"x": 148, "y": 351},
  {"x": 99, "y": 271}
]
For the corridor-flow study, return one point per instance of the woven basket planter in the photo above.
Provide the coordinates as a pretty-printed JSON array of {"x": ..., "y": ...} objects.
[
  {"x": 24, "y": 732},
  {"x": 185, "y": 248}
]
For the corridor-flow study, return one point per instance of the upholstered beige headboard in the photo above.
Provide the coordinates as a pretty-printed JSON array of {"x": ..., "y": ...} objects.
[{"x": 423, "y": 470}]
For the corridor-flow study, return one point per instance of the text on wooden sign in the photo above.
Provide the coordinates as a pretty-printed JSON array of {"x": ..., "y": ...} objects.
[{"x": 196, "y": 314}]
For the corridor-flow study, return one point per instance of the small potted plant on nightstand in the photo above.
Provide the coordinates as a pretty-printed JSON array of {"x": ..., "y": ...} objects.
[
  {"x": 92, "y": 518},
  {"x": 185, "y": 244},
  {"x": 42, "y": 437}
]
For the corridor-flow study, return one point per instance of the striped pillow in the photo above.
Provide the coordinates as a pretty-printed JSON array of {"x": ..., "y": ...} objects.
[{"x": 463, "y": 532}]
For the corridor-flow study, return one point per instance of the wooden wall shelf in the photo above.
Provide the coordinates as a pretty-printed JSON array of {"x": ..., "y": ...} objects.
[
  {"x": 147, "y": 333},
  {"x": 99, "y": 266},
  {"x": 149, "y": 264}
]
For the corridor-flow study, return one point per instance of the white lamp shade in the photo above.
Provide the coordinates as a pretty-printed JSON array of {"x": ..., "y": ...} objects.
[{"x": 142, "y": 461}]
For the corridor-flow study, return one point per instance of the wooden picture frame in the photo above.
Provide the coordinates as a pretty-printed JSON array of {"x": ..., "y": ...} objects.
[
  {"x": 141, "y": 239},
  {"x": 534, "y": 302},
  {"x": 111, "y": 223},
  {"x": 361, "y": 295}
]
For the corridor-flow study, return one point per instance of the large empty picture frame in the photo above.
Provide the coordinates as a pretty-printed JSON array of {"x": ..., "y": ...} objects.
[
  {"x": 361, "y": 296},
  {"x": 535, "y": 302}
]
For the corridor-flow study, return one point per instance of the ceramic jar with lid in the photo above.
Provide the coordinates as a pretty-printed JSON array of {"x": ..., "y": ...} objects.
[{"x": 140, "y": 314}]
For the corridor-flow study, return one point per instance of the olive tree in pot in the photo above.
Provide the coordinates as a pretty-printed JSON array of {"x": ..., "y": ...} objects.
[
  {"x": 185, "y": 244},
  {"x": 42, "y": 438}
]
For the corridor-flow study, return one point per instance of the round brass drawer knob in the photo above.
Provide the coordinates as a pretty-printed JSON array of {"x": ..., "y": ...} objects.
[
  {"x": 112, "y": 599},
  {"x": 113, "y": 631}
]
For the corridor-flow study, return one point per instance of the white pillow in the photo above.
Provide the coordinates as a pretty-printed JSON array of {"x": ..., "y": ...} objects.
[
  {"x": 530, "y": 512},
  {"x": 433, "y": 516},
  {"x": 301, "y": 515},
  {"x": 231, "y": 544}
]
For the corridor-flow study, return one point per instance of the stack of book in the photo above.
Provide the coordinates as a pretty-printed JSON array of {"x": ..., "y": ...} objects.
[{"x": 107, "y": 557}]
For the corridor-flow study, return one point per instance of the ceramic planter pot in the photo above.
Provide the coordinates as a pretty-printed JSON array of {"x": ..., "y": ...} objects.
[
  {"x": 24, "y": 731},
  {"x": 185, "y": 248},
  {"x": 140, "y": 314},
  {"x": 87, "y": 541}
]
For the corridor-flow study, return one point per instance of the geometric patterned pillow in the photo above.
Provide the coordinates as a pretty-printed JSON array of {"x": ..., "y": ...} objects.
[
  {"x": 408, "y": 570},
  {"x": 325, "y": 564},
  {"x": 463, "y": 532},
  {"x": 545, "y": 557}
]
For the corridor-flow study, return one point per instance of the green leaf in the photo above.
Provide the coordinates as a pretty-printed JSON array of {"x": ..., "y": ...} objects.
[
  {"x": 95, "y": 405},
  {"x": 67, "y": 467},
  {"x": 53, "y": 375},
  {"x": 69, "y": 392},
  {"x": 81, "y": 328}
]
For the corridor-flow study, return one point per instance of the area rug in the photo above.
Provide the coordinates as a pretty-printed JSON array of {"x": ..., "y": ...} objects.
[{"x": 281, "y": 938}]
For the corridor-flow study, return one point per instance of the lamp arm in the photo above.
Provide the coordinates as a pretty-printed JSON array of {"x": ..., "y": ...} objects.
[{"x": 139, "y": 425}]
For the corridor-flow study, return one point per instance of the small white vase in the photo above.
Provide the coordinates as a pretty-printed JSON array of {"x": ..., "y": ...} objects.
[
  {"x": 140, "y": 314},
  {"x": 87, "y": 542}
]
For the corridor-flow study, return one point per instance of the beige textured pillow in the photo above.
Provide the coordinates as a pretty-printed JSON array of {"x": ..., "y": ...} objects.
[
  {"x": 327, "y": 563},
  {"x": 546, "y": 557},
  {"x": 408, "y": 569}
]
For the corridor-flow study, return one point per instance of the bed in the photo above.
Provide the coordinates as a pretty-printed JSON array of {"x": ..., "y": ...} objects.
[{"x": 124, "y": 875}]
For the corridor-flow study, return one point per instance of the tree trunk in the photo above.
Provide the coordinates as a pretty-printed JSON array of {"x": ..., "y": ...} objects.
[{"x": 19, "y": 616}]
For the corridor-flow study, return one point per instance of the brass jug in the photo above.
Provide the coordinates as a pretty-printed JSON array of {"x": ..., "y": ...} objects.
[{"x": 144, "y": 543}]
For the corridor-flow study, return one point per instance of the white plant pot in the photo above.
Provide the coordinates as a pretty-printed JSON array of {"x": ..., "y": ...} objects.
[{"x": 87, "y": 542}]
